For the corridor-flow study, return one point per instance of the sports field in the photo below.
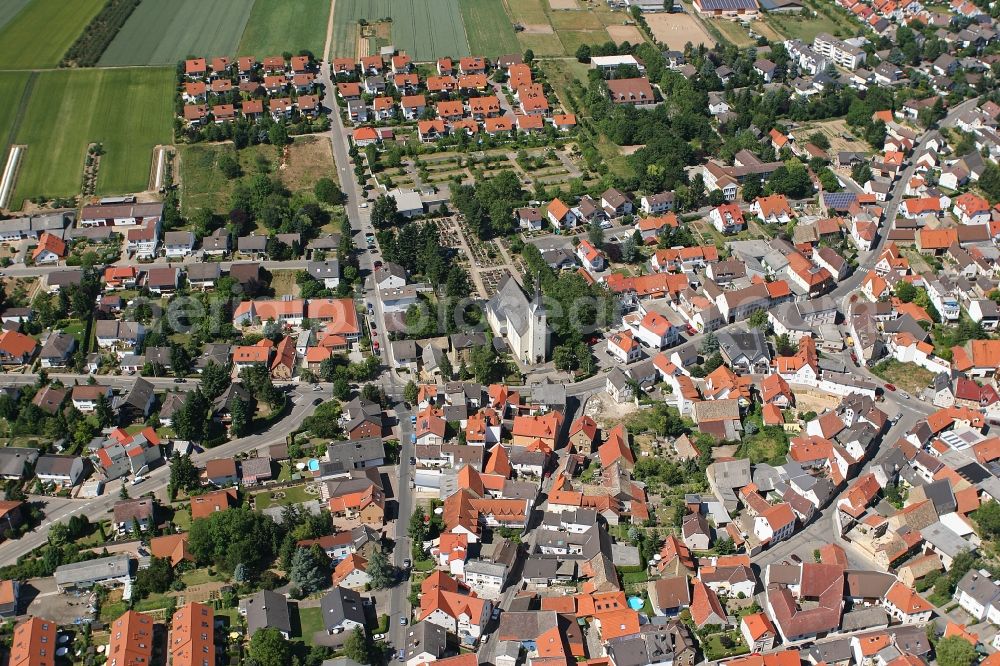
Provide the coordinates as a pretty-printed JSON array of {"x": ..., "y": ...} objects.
[
  {"x": 127, "y": 110},
  {"x": 276, "y": 26},
  {"x": 489, "y": 28},
  {"x": 425, "y": 29},
  {"x": 39, "y": 34},
  {"x": 161, "y": 33}
]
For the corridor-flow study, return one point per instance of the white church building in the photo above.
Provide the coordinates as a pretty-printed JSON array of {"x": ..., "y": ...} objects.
[{"x": 522, "y": 323}]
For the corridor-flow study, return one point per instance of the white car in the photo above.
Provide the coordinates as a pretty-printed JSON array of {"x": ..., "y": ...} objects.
[
  {"x": 364, "y": 205},
  {"x": 137, "y": 480}
]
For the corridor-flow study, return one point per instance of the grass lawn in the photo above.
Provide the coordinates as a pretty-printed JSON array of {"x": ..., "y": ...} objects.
[
  {"x": 95, "y": 538},
  {"x": 616, "y": 162},
  {"x": 283, "y": 283},
  {"x": 199, "y": 576},
  {"x": 713, "y": 649},
  {"x": 424, "y": 565},
  {"x": 311, "y": 621},
  {"x": 204, "y": 186},
  {"x": 766, "y": 445},
  {"x": 309, "y": 159},
  {"x": 292, "y": 495},
  {"x": 39, "y": 35},
  {"x": 202, "y": 183},
  {"x": 560, "y": 73},
  {"x": 906, "y": 376},
  {"x": 76, "y": 329},
  {"x": 276, "y": 26},
  {"x": 572, "y": 39},
  {"x": 182, "y": 519},
  {"x": 734, "y": 33},
  {"x": 488, "y": 28},
  {"x": 805, "y": 27},
  {"x": 161, "y": 33},
  {"x": 70, "y": 109}
]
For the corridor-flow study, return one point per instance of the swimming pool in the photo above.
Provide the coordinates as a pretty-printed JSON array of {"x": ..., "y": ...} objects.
[
  {"x": 313, "y": 465},
  {"x": 636, "y": 603}
]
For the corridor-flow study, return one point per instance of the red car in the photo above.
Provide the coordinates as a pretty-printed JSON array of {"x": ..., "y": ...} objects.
[
  {"x": 375, "y": 345},
  {"x": 890, "y": 387},
  {"x": 377, "y": 265}
]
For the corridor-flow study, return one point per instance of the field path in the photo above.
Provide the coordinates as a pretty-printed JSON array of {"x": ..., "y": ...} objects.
[{"x": 329, "y": 32}]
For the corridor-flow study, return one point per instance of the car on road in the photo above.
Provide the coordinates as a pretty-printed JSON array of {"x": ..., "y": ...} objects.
[
  {"x": 364, "y": 205},
  {"x": 796, "y": 558},
  {"x": 317, "y": 401},
  {"x": 378, "y": 637},
  {"x": 890, "y": 387},
  {"x": 317, "y": 387},
  {"x": 377, "y": 265},
  {"x": 407, "y": 563},
  {"x": 413, "y": 419},
  {"x": 180, "y": 380},
  {"x": 904, "y": 395},
  {"x": 371, "y": 325},
  {"x": 413, "y": 461},
  {"x": 401, "y": 655},
  {"x": 496, "y": 613},
  {"x": 402, "y": 620},
  {"x": 413, "y": 438},
  {"x": 137, "y": 480},
  {"x": 691, "y": 329},
  {"x": 375, "y": 345}
]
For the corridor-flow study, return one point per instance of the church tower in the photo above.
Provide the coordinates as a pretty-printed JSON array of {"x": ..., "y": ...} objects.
[{"x": 538, "y": 328}]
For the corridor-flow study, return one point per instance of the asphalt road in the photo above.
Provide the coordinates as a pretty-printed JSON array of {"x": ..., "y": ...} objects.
[{"x": 358, "y": 213}]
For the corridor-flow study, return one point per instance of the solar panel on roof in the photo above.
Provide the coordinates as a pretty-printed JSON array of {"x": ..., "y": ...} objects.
[
  {"x": 973, "y": 473},
  {"x": 727, "y": 5},
  {"x": 839, "y": 199}
]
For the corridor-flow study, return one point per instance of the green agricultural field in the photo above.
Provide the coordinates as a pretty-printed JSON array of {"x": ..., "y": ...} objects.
[
  {"x": 39, "y": 35},
  {"x": 277, "y": 26},
  {"x": 10, "y": 9},
  {"x": 11, "y": 89},
  {"x": 425, "y": 29},
  {"x": 161, "y": 33},
  {"x": 489, "y": 28},
  {"x": 129, "y": 111}
]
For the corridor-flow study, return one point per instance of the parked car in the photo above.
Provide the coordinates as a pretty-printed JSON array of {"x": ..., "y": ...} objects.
[
  {"x": 890, "y": 387},
  {"x": 137, "y": 480},
  {"x": 402, "y": 620}
]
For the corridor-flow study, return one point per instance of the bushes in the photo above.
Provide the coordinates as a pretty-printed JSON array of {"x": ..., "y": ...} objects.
[{"x": 90, "y": 45}]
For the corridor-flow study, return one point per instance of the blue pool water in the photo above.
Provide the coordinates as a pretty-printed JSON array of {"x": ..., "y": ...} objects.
[
  {"x": 636, "y": 603},
  {"x": 313, "y": 465}
]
